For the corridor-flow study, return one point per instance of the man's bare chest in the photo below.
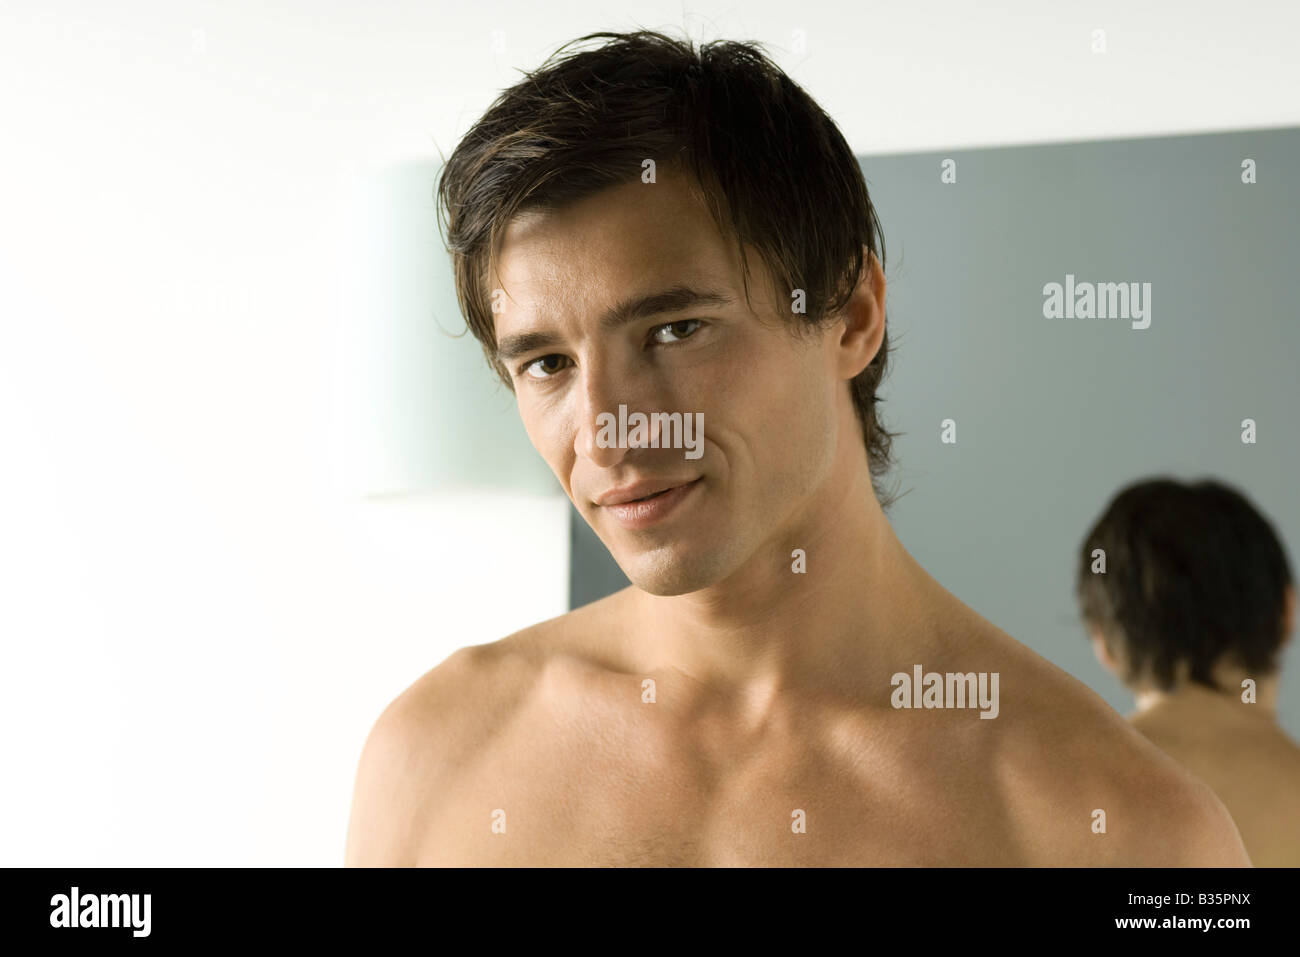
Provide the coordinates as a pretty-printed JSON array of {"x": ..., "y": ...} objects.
[{"x": 644, "y": 804}]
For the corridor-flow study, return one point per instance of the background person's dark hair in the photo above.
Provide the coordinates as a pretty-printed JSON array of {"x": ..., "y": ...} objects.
[
  {"x": 1193, "y": 574},
  {"x": 770, "y": 165}
]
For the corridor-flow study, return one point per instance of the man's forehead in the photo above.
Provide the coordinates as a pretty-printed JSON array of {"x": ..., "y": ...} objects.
[
  {"x": 592, "y": 252},
  {"x": 624, "y": 224}
]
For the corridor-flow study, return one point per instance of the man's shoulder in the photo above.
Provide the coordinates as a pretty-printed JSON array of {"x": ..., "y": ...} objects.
[
  {"x": 473, "y": 693},
  {"x": 457, "y": 717},
  {"x": 1099, "y": 785}
]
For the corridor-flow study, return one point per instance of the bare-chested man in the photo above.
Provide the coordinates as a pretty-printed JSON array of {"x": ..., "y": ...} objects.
[
  {"x": 1191, "y": 609},
  {"x": 751, "y": 698}
]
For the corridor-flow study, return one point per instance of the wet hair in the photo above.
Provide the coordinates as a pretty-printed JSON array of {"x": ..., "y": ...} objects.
[{"x": 1195, "y": 576}]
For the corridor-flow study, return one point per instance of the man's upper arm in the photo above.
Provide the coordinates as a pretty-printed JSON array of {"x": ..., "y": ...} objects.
[
  {"x": 383, "y": 826},
  {"x": 404, "y": 766},
  {"x": 1173, "y": 819},
  {"x": 1212, "y": 839}
]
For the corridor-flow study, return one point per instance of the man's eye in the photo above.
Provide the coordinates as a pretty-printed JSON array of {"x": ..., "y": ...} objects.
[
  {"x": 549, "y": 365},
  {"x": 681, "y": 329}
]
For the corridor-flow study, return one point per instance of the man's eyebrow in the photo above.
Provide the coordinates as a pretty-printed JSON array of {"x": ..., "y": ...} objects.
[{"x": 673, "y": 299}]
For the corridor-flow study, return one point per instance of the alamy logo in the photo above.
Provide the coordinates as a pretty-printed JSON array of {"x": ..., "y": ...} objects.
[
  {"x": 948, "y": 690},
  {"x": 658, "y": 430},
  {"x": 1107, "y": 300},
  {"x": 101, "y": 910}
]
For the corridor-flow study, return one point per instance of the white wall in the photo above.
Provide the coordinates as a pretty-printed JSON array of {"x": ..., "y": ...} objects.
[{"x": 198, "y": 620}]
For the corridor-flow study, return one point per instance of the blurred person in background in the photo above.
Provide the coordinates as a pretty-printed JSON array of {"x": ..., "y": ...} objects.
[{"x": 1188, "y": 598}]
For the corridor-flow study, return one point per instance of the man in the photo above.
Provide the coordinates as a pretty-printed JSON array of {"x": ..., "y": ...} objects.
[
  {"x": 674, "y": 230},
  {"x": 1188, "y": 597}
]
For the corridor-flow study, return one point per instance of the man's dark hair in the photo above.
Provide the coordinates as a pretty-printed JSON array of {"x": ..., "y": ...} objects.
[
  {"x": 1194, "y": 576},
  {"x": 769, "y": 164}
]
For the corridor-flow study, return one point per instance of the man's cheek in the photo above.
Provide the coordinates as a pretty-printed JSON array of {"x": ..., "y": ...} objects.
[{"x": 546, "y": 439}]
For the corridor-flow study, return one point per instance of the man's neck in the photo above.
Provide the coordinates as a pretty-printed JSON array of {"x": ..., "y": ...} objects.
[{"x": 768, "y": 629}]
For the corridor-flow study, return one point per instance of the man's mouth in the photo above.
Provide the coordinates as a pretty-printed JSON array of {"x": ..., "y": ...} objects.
[
  {"x": 643, "y": 491},
  {"x": 652, "y": 507},
  {"x": 646, "y": 498}
]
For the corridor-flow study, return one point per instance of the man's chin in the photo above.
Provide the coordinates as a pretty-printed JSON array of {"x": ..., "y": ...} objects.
[{"x": 665, "y": 573}]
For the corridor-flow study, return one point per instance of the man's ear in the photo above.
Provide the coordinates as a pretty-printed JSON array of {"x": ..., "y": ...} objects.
[
  {"x": 863, "y": 320},
  {"x": 1103, "y": 653}
]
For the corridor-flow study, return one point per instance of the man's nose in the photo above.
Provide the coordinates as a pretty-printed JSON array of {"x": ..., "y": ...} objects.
[
  {"x": 600, "y": 397},
  {"x": 604, "y": 390}
]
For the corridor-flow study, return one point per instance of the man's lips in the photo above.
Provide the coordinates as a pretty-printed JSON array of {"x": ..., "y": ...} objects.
[
  {"x": 651, "y": 508},
  {"x": 639, "y": 490}
]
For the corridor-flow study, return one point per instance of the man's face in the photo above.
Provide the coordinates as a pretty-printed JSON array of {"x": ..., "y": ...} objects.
[{"x": 768, "y": 398}]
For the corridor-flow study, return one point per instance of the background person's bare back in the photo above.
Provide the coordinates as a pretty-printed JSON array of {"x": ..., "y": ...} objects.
[
  {"x": 540, "y": 750},
  {"x": 1247, "y": 760}
]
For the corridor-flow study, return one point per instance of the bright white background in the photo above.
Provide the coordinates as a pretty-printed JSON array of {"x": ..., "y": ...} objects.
[{"x": 200, "y": 617}]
